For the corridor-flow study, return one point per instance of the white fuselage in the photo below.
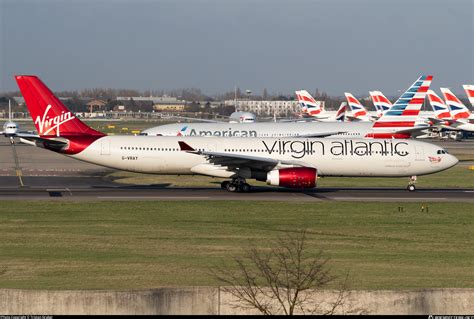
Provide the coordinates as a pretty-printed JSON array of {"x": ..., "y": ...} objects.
[
  {"x": 461, "y": 125},
  {"x": 331, "y": 157},
  {"x": 268, "y": 129},
  {"x": 10, "y": 128},
  {"x": 265, "y": 129}
]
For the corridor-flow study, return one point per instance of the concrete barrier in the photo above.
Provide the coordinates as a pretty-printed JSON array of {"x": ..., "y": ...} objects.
[
  {"x": 192, "y": 300},
  {"x": 209, "y": 300}
]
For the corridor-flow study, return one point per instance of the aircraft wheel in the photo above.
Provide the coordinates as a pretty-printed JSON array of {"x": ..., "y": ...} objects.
[
  {"x": 245, "y": 188},
  {"x": 224, "y": 184},
  {"x": 231, "y": 187},
  {"x": 411, "y": 188}
]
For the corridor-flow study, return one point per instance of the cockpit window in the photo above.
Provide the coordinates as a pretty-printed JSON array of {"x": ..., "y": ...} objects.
[{"x": 442, "y": 152}]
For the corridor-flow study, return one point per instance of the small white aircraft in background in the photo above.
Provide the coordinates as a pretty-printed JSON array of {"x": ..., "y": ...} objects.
[
  {"x": 12, "y": 129},
  {"x": 287, "y": 162}
]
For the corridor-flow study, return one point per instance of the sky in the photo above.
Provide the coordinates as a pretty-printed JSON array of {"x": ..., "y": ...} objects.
[{"x": 215, "y": 45}]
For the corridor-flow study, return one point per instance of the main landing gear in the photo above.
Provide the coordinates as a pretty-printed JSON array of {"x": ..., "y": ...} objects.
[
  {"x": 411, "y": 184},
  {"x": 237, "y": 184}
]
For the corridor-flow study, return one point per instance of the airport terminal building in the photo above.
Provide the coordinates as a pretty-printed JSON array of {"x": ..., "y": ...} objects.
[{"x": 280, "y": 108}]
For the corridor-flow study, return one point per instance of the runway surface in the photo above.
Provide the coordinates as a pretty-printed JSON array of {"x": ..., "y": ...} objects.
[
  {"x": 87, "y": 188},
  {"x": 53, "y": 176}
]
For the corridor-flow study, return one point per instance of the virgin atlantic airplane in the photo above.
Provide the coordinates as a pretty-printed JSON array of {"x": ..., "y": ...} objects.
[{"x": 287, "y": 162}]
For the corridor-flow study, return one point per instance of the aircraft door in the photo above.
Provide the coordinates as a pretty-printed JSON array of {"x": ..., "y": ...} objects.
[
  {"x": 419, "y": 153},
  {"x": 105, "y": 148},
  {"x": 211, "y": 147}
]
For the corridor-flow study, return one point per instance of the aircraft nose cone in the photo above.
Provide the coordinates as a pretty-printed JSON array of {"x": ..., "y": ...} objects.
[{"x": 452, "y": 160}]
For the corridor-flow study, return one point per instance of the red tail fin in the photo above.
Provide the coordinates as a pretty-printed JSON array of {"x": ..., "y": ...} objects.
[{"x": 49, "y": 114}]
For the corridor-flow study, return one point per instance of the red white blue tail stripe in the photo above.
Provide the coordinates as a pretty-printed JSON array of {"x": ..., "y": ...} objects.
[
  {"x": 357, "y": 109},
  {"x": 381, "y": 103},
  {"x": 457, "y": 108},
  {"x": 341, "y": 112},
  {"x": 440, "y": 109},
  {"x": 308, "y": 104},
  {"x": 469, "y": 92},
  {"x": 403, "y": 115}
]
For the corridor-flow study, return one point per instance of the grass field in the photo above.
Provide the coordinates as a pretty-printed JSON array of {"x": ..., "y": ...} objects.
[
  {"x": 130, "y": 245},
  {"x": 456, "y": 177}
]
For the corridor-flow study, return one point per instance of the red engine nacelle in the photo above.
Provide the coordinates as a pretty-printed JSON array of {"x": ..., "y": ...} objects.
[{"x": 295, "y": 177}]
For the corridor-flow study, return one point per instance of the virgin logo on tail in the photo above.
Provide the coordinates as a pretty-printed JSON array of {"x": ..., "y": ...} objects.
[{"x": 46, "y": 124}]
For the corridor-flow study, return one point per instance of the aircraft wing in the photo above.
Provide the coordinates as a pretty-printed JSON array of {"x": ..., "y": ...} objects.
[
  {"x": 454, "y": 124},
  {"x": 193, "y": 119},
  {"x": 22, "y": 134},
  {"x": 437, "y": 121},
  {"x": 36, "y": 140},
  {"x": 324, "y": 134},
  {"x": 305, "y": 119},
  {"x": 26, "y": 135},
  {"x": 353, "y": 118},
  {"x": 414, "y": 129},
  {"x": 238, "y": 161}
]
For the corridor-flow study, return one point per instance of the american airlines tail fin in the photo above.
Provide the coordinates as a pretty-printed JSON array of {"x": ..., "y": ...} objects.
[
  {"x": 440, "y": 109},
  {"x": 308, "y": 104},
  {"x": 50, "y": 116},
  {"x": 358, "y": 110},
  {"x": 457, "y": 108},
  {"x": 469, "y": 92},
  {"x": 400, "y": 120},
  {"x": 341, "y": 112},
  {"x": 381, "y": 103}
]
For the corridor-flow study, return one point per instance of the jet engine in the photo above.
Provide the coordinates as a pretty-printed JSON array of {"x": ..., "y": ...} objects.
[{"x": 294, "y": 177}]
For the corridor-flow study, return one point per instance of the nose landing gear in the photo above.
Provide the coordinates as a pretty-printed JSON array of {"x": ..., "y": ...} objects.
[
  {"x": 237, "y": 184},
  {"x": 411, "y": 184}
]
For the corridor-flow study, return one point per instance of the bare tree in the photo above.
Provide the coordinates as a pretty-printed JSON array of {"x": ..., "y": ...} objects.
[{"x": 282, "y": 279}]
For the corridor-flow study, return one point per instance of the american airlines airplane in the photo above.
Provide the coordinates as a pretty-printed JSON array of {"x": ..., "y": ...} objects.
[
  {"x": 287, "y": 162},
  {"x": 400, "y": 122}
]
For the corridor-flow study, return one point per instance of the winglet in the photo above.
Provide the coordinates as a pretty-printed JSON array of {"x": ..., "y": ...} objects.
[{"x": 185, "y": 147}]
